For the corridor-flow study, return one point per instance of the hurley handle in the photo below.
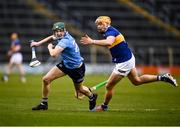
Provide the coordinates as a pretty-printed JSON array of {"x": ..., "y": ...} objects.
[
  {"x": 96, "y": 87},
  {"x": 33, "y": 50}
]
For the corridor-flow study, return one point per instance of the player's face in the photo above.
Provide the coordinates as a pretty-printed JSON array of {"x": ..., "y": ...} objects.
[
  {"x": 14, "y": 36},
  {"x": 59, "y": 33},
  {"x": 101, "y": 27}
]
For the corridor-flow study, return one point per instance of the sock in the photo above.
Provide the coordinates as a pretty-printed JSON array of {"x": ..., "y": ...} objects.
[
  {"x": 44, "y": 100},
  {"x": 91, "y": 97},
  {"x": 5, "y": 77},
  {"x": 158, "y": 77},
  {"x": 90, "y": 90},
  {"x": 104, "y": 104},
  {"x": 23, "y": 79}
]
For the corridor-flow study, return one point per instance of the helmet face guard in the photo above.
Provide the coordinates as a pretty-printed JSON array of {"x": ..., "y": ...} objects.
[
  {"x": 57, "y": 35},
  {"x": 58, "y": 26}
]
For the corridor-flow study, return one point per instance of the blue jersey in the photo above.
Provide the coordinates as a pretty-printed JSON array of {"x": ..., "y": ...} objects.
[
  {"x": 70, "y": 55},
  {"x": 16, "y": 42},
  {"x": 119, "y": 49}
]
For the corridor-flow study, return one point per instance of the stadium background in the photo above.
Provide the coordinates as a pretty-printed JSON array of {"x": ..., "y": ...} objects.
[{"x": 151, "y": 28}]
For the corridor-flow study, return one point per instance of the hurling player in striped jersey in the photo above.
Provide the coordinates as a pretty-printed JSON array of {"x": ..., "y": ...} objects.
[
  {"x": 123, "y": 59},
  {"x": 15, "y": 58}
]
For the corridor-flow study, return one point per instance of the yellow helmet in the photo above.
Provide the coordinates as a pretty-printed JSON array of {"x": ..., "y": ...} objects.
[{"x": 103, "y": 19}]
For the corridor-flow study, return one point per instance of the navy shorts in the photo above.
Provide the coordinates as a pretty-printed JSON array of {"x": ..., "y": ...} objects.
[{"x": 77, "y": 74}]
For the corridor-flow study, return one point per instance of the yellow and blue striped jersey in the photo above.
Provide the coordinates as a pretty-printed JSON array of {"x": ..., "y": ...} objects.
[{"x": 119, "y": 49}]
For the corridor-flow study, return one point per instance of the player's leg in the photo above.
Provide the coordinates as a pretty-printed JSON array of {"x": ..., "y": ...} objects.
[
  {"x": 121, "y": 70},
  {"x": 146, "y": 78},
  {"x": 53, "y": 74},
  {"x": 80, "y": 95},
  {"x": 133, "y": 75},
  {"x": 11, "y": 63},
  {"x": 8, "y": 71},
  {"x": 19, "y": 65},
  {"x": 112, "y": 81},
  {"x": 22, "y": 73},
  {"x": 77, "y": 75},
  {"x": 9, "y": 68},
  {"x": 21, "y": 69},
  {"x": 138, "y": 80},
  {"x": 80, "y": 88}
]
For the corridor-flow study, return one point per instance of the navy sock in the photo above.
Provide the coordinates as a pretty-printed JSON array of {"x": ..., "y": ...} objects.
[
  {"x": 91, "y": 97},
  {"x": 104, "y": 104}
]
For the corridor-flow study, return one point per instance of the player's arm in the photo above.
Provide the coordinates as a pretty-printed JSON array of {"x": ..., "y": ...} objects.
[
  {"x": 54, "y": 51},
  {"x": 16, "y": 48},
  {"x": 104, "y": 42},
  {"x": 13, "y": 49},
  {"x": 45, "y": 40}
]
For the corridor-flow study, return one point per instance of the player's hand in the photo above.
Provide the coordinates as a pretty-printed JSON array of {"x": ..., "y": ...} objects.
[
  {"x": 34, "y": 44},
  {"x": 86, "y": 40},
  {"x": 9, "y": 53}
]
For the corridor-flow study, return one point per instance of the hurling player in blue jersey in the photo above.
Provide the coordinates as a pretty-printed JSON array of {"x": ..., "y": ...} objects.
[
  {"x": 70, "y": 63},
  {"x": 122, "y": 57},
  {"x": 16, "y": 58}
]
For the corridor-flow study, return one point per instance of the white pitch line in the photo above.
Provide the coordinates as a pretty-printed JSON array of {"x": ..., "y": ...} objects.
[
  {"x": 131, "y": 109},
  {"x": 147, "y": 110}
]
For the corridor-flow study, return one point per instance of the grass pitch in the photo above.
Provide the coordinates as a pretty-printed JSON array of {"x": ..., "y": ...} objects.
[{"x": 152, "y": 104}]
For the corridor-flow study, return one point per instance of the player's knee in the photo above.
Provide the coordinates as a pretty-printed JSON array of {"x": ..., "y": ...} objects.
[
  {"x": 46, "y": 80},
  {"x": 136, "y": 82},
  {"x": 109, "y": 87}
]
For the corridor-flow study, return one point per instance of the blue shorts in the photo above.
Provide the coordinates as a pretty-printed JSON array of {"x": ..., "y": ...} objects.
[{"x": 77, "y": 74}]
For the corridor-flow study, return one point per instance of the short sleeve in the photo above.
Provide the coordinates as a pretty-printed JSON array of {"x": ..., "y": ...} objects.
[
  {"x": 17, "y": 42},
  {"x": 63, "y": 43},
  {"x": 111, "y": 33}
]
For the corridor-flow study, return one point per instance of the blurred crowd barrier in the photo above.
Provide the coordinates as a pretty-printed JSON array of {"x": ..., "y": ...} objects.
[{"x": 101, "y": 69}]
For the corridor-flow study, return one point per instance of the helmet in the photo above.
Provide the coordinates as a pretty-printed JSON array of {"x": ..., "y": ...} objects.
[
  {"x": 103, "y": 19},
  {"x": 59, "y": 26}
]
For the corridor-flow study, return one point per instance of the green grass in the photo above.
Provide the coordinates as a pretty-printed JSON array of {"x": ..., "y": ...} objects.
[{"x": 152, "y": 104}]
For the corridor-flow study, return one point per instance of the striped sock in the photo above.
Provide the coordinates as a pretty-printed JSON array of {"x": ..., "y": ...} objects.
[
  {"x": 44, "y": 100},
  {"x": 158, "y": 77},
  {"x": 91, "y": 97}
]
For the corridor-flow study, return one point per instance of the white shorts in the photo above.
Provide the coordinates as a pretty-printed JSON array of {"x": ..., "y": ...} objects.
[
  {"x": 125, "y": 67},
  {"x": 16, "y": 58}
]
